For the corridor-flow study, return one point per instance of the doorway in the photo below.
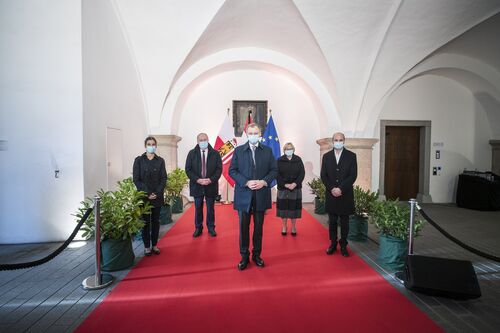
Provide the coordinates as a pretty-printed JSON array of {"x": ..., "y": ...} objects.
[
  {"x": 114, "y": 157},
  {"x": 405, "y": 159},
  {"x": 402, "y": 145}
]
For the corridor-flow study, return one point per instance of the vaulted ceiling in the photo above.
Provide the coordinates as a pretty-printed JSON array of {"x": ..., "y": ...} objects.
[{"x": 354, "y": 51}]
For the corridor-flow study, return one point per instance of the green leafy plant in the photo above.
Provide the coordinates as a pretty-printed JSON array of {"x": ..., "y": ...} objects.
[
  {"x": 176, "y": 181},
  {"x": 121, "y": 212},
  {"x": 318, "y": 188},
  {"x": 391, "y": 218},
  {"x": 364, "y": 201}
]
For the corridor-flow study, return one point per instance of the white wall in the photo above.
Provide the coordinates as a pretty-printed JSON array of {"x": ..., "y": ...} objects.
[
  {"x": 40, "y": 118},
  {"x": 111, "y": 93},
  {"x": 458, "y": 121},
  {"x": 292, "y": 110}
]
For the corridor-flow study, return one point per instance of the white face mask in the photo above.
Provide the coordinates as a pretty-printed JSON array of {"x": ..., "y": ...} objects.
[
  {"x": 253, "y": 138},
  {"x": 338, "y": 145},
  {"x": 289, "y": 152},
  {"x": 151, "y": 149},
  {"x": 203, "y": 144}
]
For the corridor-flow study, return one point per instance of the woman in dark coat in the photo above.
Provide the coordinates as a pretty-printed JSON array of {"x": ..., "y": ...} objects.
[
  {"x": 290, "y": 176},
  {"x": 150, "y": 176}
]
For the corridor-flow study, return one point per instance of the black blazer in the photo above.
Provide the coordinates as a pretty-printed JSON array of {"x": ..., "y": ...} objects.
[
  {"x": 150, "y": 176},
  {"x": 343, "y": 176},
  {"x": 290, "y": 171},
  {"x": 193, "y": 171}
]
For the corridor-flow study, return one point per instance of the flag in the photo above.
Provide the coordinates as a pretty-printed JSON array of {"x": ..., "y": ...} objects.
[
  {"x": 270, "y": 139},
  {"x": 225, "y": 145}
]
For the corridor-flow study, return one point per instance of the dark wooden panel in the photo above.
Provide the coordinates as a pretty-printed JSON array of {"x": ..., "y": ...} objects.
[{"x": 402, "y": 146}]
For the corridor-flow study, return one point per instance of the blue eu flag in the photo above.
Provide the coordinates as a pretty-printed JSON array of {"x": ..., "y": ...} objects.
[{"x": 270, "y": 139}]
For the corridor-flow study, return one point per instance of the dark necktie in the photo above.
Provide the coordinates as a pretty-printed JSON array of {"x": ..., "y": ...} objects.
[
  {"x": 254, "y": 166},
  {"x": 203, "y": 165}
]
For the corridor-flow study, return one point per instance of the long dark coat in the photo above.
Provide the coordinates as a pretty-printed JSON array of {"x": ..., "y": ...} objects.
[
  {"x": 193, "y": 171},
  {"x": 241, "y": 171},
  {"x": 290, "y": 171},
  {"x": 150, "y": 176},
  {"x": 342, "y": 175}
]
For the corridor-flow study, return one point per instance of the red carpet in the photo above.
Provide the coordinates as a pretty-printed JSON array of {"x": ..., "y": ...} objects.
[{"x": 194, "y": 286}]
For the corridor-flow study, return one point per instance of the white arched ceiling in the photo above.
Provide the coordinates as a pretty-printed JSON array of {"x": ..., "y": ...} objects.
[
  {"x": 487, "y": 95},
  {"x": 185, "y": 94},
  {"x": 350, "y": 34},
  {"x": 160, "y": 35},
  {"x": 275, "y": 25},
  {"x": 486, "y": 76},
  {"x": 419, "y": 28},
  {"x": 327, "y": 113},
  {"x": 357, "y": 49}
]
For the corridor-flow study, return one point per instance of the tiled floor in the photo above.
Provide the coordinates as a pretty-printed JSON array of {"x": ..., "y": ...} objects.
[{"x": 50, "y": 297}]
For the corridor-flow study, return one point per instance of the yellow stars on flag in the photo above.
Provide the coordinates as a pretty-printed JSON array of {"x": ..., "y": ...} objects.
[{"x": 270, "y": 137}]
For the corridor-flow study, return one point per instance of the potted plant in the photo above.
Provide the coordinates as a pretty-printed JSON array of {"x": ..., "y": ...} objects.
[
  {"x": 121, "y": 213},
  {"x": 363, "y": 207},
  {"x": 319, "y": 190},
  {"x": 391, "y": 218},
  {"x": 176, "y": 181}
]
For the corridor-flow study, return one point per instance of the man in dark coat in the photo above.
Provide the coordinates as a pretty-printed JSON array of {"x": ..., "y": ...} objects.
[
  {"x": 253, "y": 168},
  {"x": 204, "y": 168},
  {"x": 339, "y": 170}
]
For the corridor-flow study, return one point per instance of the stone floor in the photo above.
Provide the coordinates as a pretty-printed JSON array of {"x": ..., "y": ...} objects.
[{"x": 49, "y": 298}]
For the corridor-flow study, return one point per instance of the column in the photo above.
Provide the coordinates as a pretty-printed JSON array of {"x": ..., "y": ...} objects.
[
  {"x": 495, "y": 156},
  {"x": 167, "y": 148},
  {"x": 363, "y": 149}
]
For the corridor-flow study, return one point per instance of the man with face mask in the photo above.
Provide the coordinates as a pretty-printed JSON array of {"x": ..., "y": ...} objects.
[
  {"x": 253, "y": 168},
  {"x": 339, "y": 170},
  {"x": 204, "y": 168}
]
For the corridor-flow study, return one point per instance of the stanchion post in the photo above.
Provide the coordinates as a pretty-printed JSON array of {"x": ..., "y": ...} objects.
[
  {"x": 97, "y": 239},
  {"x": 412, "y": 203},
  {"x": 98, "y": 280}
]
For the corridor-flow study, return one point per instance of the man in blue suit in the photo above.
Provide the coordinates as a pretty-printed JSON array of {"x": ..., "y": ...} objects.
[{"x": 253, "y": 168}]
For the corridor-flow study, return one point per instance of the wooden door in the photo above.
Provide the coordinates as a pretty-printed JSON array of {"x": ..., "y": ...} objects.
[{"x": 402, "y": 156}]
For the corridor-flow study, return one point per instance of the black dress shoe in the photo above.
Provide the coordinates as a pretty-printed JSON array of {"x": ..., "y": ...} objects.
[
  {"x": 243, "y": 264},
  {"x": 343, "y": 251},
  {"x": 331, "y": 249},
  {"x": 294, "y": 234},
  {"x": 212, "y": 233},
  {"x": 197, "y": 232},
  {"x": 283, "y": 233},
  {"x": 258, "y": 261}
]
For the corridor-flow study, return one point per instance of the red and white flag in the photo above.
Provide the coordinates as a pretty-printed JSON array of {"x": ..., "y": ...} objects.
[{"x": 225, "y": 145}]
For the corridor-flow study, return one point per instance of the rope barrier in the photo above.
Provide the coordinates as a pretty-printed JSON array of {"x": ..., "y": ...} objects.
[
  {"x": 9, "y": 267},
  {"x": 455, "y": 240}
]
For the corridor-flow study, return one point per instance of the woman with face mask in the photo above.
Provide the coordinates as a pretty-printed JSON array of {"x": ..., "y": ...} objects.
[
  {"x": 290, "y": 176},
  {"x": 150, "y": 176}
]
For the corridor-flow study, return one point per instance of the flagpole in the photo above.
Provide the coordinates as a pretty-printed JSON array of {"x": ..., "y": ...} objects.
[{"x": 227, "y": 202}]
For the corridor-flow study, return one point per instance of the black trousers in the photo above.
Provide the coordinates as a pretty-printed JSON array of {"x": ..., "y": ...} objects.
[
  {"x": 258, "y": 223},
  {"x": 198, "y": 216},
  {"x": 151, "y": 228},
  {"x": 344, "y": 228}
]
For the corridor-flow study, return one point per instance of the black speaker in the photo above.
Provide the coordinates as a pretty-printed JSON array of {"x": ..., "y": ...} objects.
[{"x": 441, "y": 277}]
